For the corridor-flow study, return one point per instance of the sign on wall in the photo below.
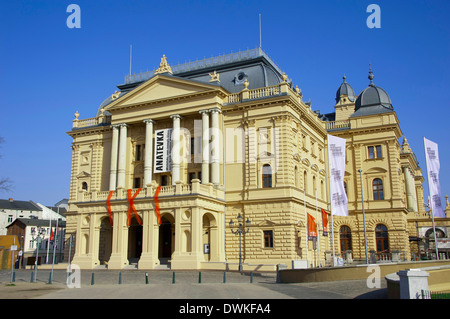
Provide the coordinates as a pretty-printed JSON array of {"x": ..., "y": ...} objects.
[{"x": 162, "y": 154}]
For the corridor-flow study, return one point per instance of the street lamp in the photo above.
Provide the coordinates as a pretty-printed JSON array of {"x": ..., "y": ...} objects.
[
  {"x": 240, "y": 231},
  {"x": 37, "y": 237}
]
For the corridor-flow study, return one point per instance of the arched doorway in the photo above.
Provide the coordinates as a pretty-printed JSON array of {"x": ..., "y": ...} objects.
[
  {"x": 134, "y": 241},
  {"x": 382, "y": 238},
  {"x": 105, "y": 242},
  {"x": 346, "y": 238},
  {"x": 209, "y": 236},
  {"x": 166, "y": 238}
]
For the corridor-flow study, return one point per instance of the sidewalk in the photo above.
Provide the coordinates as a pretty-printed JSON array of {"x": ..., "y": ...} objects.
[{"x": 131, "y": 284}]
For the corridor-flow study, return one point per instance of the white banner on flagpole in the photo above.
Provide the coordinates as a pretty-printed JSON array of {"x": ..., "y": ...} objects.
[
  {"x": 336, "y": 165},
  {"x": 433, "y": 167},
  {"x": 163, "y": 151}
]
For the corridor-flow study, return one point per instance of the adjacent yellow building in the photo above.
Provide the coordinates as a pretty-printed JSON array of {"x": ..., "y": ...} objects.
[{"x": 175, "y": 154}]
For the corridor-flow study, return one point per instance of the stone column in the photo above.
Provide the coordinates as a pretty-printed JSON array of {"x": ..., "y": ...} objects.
[
  {"x": 122, "y": 156},
  {"x": 175, "y": 148},
  {"x": 215, "y": 143},
  {"x": 205, "y": 146},
  {"x": 148, "y": 160},
  {"x": 114, "y": 149}
]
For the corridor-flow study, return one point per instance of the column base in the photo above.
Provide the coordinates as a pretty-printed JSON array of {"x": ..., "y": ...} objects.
[
  {"x": 187, "y": 261},
  {"x": 148, "y": 261},
  {"x": 85, "y": 261},
  {"x": 117, "y": 261}
]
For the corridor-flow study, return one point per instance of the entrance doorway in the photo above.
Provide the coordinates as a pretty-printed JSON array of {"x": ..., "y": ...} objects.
[
  {"x": 134, "y": 241},
  {"x": 105, "y": 243},
  {"x": 166, "y": 238}
]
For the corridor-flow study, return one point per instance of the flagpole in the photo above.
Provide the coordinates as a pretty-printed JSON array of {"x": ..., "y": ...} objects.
[
  {"x": 306, "y": 225},
  {"x": 48, "y": 243},
  {"x": 430, "y": 201},
  {"x": 364, "y": 216},
  {"x": 318, "y": 231},
  {"x": 54, "y": 248},
  {"x": 328, "y": 203}
]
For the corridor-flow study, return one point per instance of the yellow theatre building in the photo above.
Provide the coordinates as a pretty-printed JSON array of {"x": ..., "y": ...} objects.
[{"x": 175, "y": 154}]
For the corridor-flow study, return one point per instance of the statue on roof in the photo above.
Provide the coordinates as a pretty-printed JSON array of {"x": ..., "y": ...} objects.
[
  {"x": 164, "y": 67},
  {"x": 214, "y": 77}
]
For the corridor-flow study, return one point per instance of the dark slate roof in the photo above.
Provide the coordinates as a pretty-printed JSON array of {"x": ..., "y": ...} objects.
[
  {"x": 372, "y": 100},
  {"x": 345, "y": 89},
  {"x": 38, "y": 222},
  {"x": 252, "y": 65},
  {"x": 18, "y": 205}
]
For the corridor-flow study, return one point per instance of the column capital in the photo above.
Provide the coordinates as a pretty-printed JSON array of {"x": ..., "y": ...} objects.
[
  {"x": 147, "y": 121},
  {"x": 175, "y": 116},
  {"x": 203, "y": 112},
  {"x": 122, "y": 125},
  {"x": 214, "y": 110}
]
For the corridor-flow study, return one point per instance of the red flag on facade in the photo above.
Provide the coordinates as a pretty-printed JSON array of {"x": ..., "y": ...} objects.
[
  {"x": 158, "y": 212},
  {"x": 51, "y": 233},
  {"x": 325, "y": 222},
  {"x": 312, "y": 227},
  {"x": 131, "y": 208}
]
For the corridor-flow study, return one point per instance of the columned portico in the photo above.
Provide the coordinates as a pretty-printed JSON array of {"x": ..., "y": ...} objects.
[
  {"x": 114, "y": 149},
  {"x": 176, "y": 148},
  {"x": 215, "y": 143},
  {"x": 148, "y": 154},
  {"x": 205, "y": 146},
  {"x": 121, "y": 171}
]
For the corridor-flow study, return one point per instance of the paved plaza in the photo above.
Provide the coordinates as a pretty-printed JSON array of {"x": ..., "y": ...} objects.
[{"x": 167, "y": 284}]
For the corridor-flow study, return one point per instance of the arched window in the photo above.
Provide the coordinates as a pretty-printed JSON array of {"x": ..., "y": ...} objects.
[
  {"x": 382, "y": 238},
  {"x": 377, "y": 186},
  {"x": 84, "y": 186},
  {"x": 346, "y": 238},
  {"x": 267, "y": 176}
]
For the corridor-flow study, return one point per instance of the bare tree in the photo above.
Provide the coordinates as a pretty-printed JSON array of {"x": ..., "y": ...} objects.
[{"x": 5, "y": 183}]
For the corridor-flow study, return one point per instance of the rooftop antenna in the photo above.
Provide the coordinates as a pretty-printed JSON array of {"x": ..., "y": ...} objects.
[
  {"x": 131, "y": 52},
  {"x": 260, "y": 41}
]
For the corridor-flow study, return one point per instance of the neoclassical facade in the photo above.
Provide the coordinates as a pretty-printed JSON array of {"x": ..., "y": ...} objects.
[{"x": 241, "y": 142}]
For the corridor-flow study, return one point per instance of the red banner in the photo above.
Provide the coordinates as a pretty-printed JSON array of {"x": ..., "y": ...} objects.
[
  {"x": 158, "y": 212},
  {"x": 312, "y": 227},
  {"x": 131, "y": 207},
  {"x": 108, "y": 205},
  {"x": 325, "y": 222}
]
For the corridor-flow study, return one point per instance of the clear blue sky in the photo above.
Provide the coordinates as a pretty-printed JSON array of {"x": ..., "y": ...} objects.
[{"x": 49, "y": 71}]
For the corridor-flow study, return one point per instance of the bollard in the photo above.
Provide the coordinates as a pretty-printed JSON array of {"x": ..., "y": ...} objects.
[
  {"x": 173, "y": 277},
  {"x": 50, "y": 278},
  {"x": 13, "y": 279},
  {"x": 120, "y": 277},
  {"x": 199, "y": 277},
  {"x": 146, "y": 278},
  {"x": 224, "y": 277},
  {"x": 251, "y": 277},
  {"x": 92, "y": 279},
  {"x": 32, "y": 275}
]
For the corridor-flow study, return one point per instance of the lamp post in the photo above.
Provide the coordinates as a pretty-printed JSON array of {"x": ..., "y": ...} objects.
[
  {"x": 364, "y": 215},
  {"x": 240, "y": 231},
  {"x": 37, "y": 237}
]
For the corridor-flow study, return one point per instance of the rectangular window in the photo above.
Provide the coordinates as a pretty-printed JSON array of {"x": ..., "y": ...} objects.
[
  {"x": 10, "y": 218},
  {"x": 378, "y": 148},
  {"x": 268, "y": 239},
  {"x": 164, "y": 180},
  {"x": 375, "y": 152},
  {"x": 138, "y": 152},
  {"x": 137, "y": 182},
  {"x": 191, "y": 177}
]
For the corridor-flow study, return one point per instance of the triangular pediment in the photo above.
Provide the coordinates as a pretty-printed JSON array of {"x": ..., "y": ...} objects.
[
  {"x": 83, "y": 174},
  {"x": 162, "y": 88}
]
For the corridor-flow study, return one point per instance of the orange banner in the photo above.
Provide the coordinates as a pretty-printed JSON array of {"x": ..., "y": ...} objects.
[
  {"x": 158, "y": 212},
  {"x": 108, "y": 204},
  {"x": 131, "y": 207},
  {"x": 325, "y": 222},
  {"x": 312, "y": 227}
]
